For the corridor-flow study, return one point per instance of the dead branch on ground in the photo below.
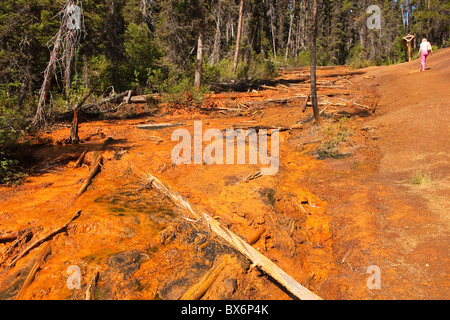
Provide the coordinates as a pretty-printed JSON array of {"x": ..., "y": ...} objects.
[
  {"x": 96, "y": 169},
  {"x": 37, "y": 264},
  {"x": 37, "y": 243},
  {"x": 198, "y": 289},
  {"x": 80, "y": 159},
  {"x": 237, "y": 243}
]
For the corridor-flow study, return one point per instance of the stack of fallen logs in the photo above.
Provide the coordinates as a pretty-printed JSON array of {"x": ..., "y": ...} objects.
[
  {"x": 332, "y": 92},
  {"x": 294, "y": 90}
]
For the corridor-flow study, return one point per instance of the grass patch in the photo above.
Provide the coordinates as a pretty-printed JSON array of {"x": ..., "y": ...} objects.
[
  {"x": 334, "y": 135},
  {"x": 268, "y": 195},
  {"x": 420, "y": 179}
]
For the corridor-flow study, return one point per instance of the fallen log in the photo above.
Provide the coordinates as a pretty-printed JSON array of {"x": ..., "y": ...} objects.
[
  {"x": 360, "y": 105},
  {"x": 24, "y": 235},
  {"x": 233, "y": 95},
  {"x": 37, "y": 243},
  {"x": 198, "y": 290},
  {"x": 92, "y": 174},
  {"x": 355, "y": 104},
  {"x": 37, "y": 264},
  {"x": 237, "y": 243},
  {"x": 11, "y": 236},
  {"x": 142, "y": 99},
  {"x": 257, "y": 128},
  {"x": 319, "y": 87},
  {"x": 80, "y": 159},
  {"x": 343, "y": 74},
  {"x": 155, "y": 126},
  {"x": 98, "y": 162}
]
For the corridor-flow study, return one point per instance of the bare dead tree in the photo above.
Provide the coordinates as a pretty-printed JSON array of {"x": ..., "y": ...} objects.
[
  {"x": 238, "y": 39},
  {"x": 290, "y": 31},
  {"x": 314, "y": 100},
  {"x": 272, "y": 28},
  {"x": 199, "y": 65},
  {"x": 65, "y": 43},
  {"x": 215, "y": 55}
]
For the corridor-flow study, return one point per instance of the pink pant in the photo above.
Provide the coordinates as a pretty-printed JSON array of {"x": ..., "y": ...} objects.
[{"x": 423, "y": 59}]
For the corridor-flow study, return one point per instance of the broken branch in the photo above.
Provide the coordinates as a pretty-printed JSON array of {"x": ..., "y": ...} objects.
[
  {"x": 80, "y": 159},
  {"x": 9, "y": 237},
  {"x": 237, "y": 243},
  {"x": 37, "y": 243},
  {"x": 198, "y": 290},
  {"x": 37, "y": 264},
  {"x": 91, "y": 176}
]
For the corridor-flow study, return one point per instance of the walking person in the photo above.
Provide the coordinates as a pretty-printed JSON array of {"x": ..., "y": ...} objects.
[{"x": 425, "y": 50}]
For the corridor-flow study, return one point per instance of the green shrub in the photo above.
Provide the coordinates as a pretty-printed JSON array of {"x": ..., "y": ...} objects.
[
  {"x": 420, "y": 179},
  {"x": 12, "y": 127},
  {"x": 356, "y": 58},
  {"x": 256, "y": 68},
  {"x": 304, "y": 58}
]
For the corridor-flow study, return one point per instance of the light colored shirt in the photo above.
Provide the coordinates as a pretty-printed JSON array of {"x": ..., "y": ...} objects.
[{"x": 425, "y": 47}]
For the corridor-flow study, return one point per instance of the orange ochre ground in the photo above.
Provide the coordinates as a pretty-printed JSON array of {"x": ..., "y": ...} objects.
[{"x": 324, "y": 218}]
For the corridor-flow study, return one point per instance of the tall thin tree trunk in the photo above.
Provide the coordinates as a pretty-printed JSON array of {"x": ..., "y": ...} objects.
[
  {"x": 199, "y": 66},
  {"x": 215, "y": 56},
  {"x": 313, "y": 64},
  {"x": 403, "y": 15},
  {"x": 74, "y": 129},
  {"x": 290, "y": 31},
  {"x": 238, "y": 39},
  {"x": 272, "y": 29}
]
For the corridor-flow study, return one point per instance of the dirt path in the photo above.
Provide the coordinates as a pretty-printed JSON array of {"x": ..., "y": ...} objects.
[{"x": 398, "y": 217}]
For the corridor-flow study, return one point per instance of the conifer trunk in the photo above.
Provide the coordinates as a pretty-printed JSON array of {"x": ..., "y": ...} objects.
[
  {"x": 313, "y": 64},
  {"x": 199, "y": 66},
  {"x": 238, "y": 39}
]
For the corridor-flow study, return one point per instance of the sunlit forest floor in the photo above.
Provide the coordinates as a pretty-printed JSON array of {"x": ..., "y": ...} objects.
[{"x": 368, "y": 188}]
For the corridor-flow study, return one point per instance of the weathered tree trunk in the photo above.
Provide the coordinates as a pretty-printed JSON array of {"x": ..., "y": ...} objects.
[
  {"x": 199, "y": 67},
  {"x": 215, "y": 56},
  {"x": 39, "y": 118},
  {"x": 272, "y": 29},
  {"x": 290, "y": 31},
  {"x": 74, "y": 129},
  {"x": 403, "y": 15},
  {"x": 76, "y": 117},
  {"x": 363, "y": 35},
  {"x": 315, "y": 106},
  {"x": 238, "y": 39}
]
